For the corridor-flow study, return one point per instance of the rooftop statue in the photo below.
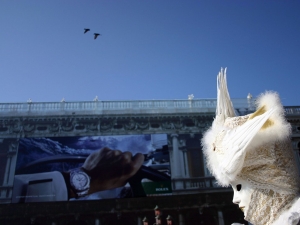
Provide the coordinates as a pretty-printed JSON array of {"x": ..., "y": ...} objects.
[{"x": 253, "y": 154}]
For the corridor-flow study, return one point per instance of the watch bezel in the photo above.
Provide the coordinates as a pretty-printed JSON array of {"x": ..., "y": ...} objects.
[{"x": 80, "y": 191}]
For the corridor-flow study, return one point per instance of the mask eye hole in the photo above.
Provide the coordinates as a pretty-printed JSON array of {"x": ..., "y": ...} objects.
[{"x": 238, "y": 187}]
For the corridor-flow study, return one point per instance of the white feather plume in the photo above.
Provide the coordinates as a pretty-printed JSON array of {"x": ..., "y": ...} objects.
[
  {"x": 252, "y": 134},
  {"x": 224, "y": 105}
]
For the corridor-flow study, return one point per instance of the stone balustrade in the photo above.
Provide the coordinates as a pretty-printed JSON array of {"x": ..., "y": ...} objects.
[{"x": 116, "y": 107}]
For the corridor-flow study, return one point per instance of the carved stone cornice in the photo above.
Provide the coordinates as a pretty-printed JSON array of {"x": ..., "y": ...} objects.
[
  {"x": 102, "y": 125},
  {"x": 72, "y": 125}
]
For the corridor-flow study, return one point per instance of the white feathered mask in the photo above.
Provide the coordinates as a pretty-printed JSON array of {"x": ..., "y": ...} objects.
[{"x": 240, "y": 146}]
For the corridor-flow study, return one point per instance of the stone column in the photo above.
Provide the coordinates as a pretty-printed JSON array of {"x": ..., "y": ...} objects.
[
  {"x": 3, "y": 193},
  {"x": 97, "y": 221},
  {"x": 176, "y": 173},
  {"x": 6, "y": 174},
  {"x": 220, "y": 217},
  {"x": 177, "y": 161},
  {"x": 183, "y": 158},
  {"x": 139, "y": 221},
  {"x": 181, "y": 219},
  {"x": 10, "y": 169},
  {"x": 186, "y": 165},
  {"x": 206, "y": 171},
  {"x": 13, "y": 160}
]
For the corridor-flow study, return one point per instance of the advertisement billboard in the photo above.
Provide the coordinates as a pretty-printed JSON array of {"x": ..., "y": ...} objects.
[{"x": 91, "y": 168}]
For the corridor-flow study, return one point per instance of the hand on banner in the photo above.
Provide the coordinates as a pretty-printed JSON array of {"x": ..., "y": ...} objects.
[{"x": 110, "y": 169}]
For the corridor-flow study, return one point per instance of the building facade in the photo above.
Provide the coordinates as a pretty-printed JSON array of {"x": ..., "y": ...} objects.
[{"x": 195, "y": 198}]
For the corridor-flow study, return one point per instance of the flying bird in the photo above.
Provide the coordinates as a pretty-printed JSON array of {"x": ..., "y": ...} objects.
[
  {"x": 86, "y": 30},
  {"x": 96, "y": 35}
]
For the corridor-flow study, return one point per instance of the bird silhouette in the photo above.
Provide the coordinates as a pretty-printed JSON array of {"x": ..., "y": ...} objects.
[
  {"x": 86, "y": 30},
  {"x": 96, "y": 35}
]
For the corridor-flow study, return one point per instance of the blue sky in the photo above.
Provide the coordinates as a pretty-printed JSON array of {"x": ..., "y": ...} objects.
[{"x": 148, "y": 49}]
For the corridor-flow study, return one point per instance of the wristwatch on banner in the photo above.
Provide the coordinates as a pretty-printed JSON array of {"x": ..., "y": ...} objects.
[{"x": 80, "y": 182}]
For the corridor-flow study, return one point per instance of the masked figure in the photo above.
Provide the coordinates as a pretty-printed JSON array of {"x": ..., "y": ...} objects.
[{"x": 253, "y": 154}]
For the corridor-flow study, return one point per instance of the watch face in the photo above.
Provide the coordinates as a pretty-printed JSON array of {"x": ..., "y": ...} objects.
[{"x": 80, "y": 180}]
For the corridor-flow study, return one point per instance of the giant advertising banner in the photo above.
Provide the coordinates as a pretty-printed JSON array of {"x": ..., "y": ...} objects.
[{"x": 91, "y": 168}]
